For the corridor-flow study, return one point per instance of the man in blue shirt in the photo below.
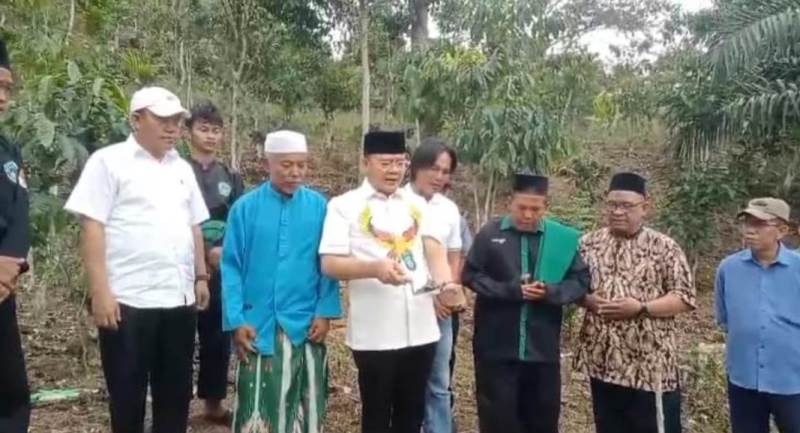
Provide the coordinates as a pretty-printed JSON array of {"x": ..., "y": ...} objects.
[
  {"x": 275, "y": 298},
  {"x": 758, "y": 306}
]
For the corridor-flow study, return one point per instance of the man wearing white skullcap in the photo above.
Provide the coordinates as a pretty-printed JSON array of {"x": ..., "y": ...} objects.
[{"x": 275, "y": 298}]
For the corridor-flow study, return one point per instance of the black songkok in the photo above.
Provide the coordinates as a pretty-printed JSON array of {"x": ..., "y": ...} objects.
[
  {"x": 524, "y": 182},
  {"x": 5, "y": 61},
  {"x": 628, "y": 182},
  {"x": 384, "y": 142}
]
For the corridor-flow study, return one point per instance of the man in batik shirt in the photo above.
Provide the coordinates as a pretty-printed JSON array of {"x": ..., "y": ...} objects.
[{"x": 640, "y": 280}]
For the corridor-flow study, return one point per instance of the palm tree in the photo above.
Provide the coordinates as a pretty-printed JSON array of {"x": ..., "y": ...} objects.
[{"x": 748, "y": 81}]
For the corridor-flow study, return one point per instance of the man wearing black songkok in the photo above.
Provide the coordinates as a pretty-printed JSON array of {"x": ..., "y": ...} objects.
[
  {"x": 523, "y": 268},
  {"x": 628, "y": 344},
  {"x": 14, "y": 245},
  {"x": 387, "y": 244}
]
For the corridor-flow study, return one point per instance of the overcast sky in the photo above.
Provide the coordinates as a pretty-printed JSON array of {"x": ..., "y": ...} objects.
[{"x": 599, "y": 41}]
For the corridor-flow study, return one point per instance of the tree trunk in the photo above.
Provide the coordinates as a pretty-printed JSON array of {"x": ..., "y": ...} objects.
[
  {"x": 330, "y": 119},
  {"x": 365, "y": 84},
  {"x": 182, "y": 68},
  {"x": 483, "y": 215},
  {"x": 189, "y": 97},
  {"x": 71, "y": 24},
  {"x": 419, "y": 23},
  {"x": 418, "y": 132},
  {"x": 234, "y": 124},
  {"x": 476, "y": 202}
]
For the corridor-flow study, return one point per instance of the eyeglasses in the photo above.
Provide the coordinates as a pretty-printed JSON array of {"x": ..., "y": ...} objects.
[
  {"x": 393, "y": 163},
  {"x": 622, "y": 205}
]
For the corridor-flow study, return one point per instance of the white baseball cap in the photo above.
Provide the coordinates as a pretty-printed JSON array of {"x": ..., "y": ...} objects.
[
  {"x": 285, "y": 141},
  {"x": 157, "y": 100}
]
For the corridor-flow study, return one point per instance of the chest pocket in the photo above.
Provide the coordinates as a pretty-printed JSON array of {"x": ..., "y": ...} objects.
[{"x": 156, "y": 189}]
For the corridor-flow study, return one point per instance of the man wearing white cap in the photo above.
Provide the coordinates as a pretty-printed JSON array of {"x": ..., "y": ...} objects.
[
  {"x": 140, "y": 208},
  {"x": 275, "y": 298}
]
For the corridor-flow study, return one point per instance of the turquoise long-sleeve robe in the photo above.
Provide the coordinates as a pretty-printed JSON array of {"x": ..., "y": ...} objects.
[{"x": 271, "y": 272}]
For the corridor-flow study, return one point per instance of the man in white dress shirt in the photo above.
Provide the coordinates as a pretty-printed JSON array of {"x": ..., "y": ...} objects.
[
  {"x": 140, "y": 208},
  {"x": 432, "y": 165},
  {"x": 382, "y": 240}
]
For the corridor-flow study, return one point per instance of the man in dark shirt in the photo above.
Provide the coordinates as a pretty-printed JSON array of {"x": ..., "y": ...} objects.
[
  {"x": 14, "y": 245},
  {"x": 220, "y": 187},
  {"x": 523, "y": 268}
]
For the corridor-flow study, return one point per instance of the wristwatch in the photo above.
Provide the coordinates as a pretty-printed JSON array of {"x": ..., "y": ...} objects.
[
  {"x": 201, "y": 277},
  {"x": 643, "y": 311}
]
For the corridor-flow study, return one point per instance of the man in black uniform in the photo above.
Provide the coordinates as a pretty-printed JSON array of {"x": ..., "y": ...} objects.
[
  {"x": 220, "y": 187},
  {"x": 523, "y": 268},
  {"x": 14, "y": 244}
]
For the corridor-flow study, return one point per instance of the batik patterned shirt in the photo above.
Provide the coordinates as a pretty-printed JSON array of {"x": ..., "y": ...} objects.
[{"x": 634, "y": 353}]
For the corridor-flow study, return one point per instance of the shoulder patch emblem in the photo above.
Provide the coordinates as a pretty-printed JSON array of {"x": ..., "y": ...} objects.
[
  {"x": 12, "y": 171},
  {"x": 224, "y": 189}
]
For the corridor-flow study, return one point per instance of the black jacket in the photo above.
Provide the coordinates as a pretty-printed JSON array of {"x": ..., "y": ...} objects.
[
  {"x": 15, "y": 236},
  {"x": 492, "y": 270}
]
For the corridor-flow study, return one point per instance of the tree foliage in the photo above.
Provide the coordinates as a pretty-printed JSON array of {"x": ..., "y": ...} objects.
[{"x": 746, "y": 85}]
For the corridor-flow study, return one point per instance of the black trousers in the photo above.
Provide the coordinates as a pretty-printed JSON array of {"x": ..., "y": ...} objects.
[
  {"x": 15, "y": 407},
  {"x": 392, "y": 385},
  {"x": 751, "y": 410},
  {"x": 155, "y": 347},
  {"x": 618, "y": 409},
  {"x": 215, "y": 347},
  {"x": 518, "y": 397}
]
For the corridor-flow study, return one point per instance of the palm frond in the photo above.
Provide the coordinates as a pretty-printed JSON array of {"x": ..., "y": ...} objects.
[
  {"x": 767, "y": 106},
  {"x": 747, "y": 33}
]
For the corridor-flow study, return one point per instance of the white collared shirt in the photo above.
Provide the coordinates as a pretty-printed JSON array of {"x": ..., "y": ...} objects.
[
  {"x": 148, "y": 208},
  {"x": 382, "y": 316},
  {"x": 448, "y": 216}
]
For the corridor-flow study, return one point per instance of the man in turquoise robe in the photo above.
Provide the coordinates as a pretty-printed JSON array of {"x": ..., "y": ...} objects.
[{"x": 275, "y": 299}]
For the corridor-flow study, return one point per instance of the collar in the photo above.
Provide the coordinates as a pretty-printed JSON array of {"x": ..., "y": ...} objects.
[
  {"x": 275, "y": 193},
  {"x": 138, "y": 150},
  {"x": 435, "y": 199},
  {"x": 369, "y": 191},
  {"x": 197, "y": 163},
  {"x": 782, "y": 258},
  {"x": 508, "y": 224},
  {"x": 631, "y": 237}
]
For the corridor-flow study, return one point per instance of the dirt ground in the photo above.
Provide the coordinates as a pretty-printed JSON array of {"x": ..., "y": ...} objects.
[{"x": 55, "y": 360}]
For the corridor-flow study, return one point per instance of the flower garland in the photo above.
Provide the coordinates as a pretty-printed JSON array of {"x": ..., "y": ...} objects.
[{"x": 399, "y": 245}]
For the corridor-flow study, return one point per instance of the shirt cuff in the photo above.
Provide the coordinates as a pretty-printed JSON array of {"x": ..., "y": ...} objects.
[
  {"x": 233, "y": 323},
  {"x": 687, "y": 298},
  {"x": 334, "y": 250},
  {"x": 328, "y": 312},
  {"x": 86, "y": 213}
]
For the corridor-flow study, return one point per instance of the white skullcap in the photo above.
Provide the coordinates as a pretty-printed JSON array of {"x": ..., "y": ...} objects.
[
  {"x": 285, "y": 142},
  {"x": 158, "y": 101}
]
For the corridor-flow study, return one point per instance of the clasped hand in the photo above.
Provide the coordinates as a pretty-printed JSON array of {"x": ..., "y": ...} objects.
[{"x": 534, "y": 291}]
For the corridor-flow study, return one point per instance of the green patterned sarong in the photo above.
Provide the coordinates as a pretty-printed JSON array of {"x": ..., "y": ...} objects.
[{"x": 283, "y": 393}]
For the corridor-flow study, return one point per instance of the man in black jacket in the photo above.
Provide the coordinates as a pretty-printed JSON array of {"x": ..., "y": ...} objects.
[
  {"x": 14, "y": 245},
  {"x": 523, "y": 268},
  {"x": 221, "y": 186}
]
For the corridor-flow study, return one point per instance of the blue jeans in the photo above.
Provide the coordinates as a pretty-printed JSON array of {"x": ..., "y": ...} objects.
[{"x": 438, "y": 413}]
